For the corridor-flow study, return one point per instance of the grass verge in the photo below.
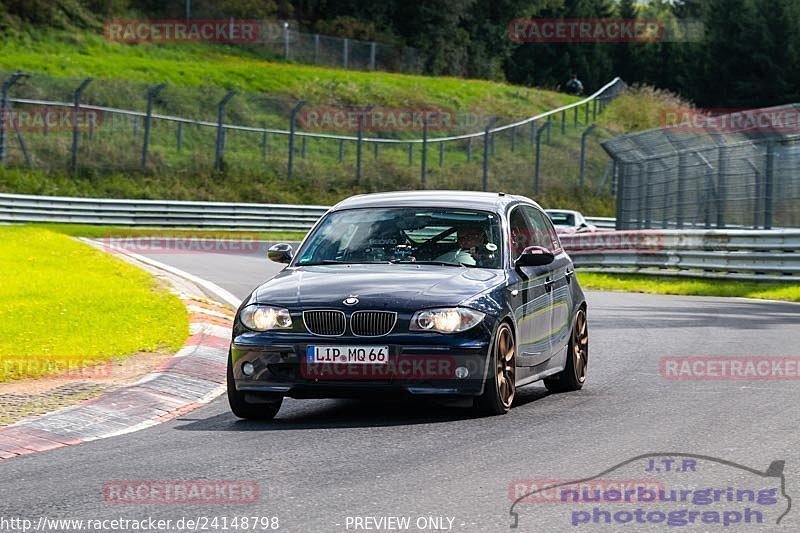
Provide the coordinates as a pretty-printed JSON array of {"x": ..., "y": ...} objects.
[
  {"x": 689, "y": 287},
  {"x": 65, "y": 305},
  {"x": 99, "y": 232}
]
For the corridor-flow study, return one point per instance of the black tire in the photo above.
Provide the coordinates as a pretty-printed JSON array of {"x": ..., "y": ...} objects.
[
  {"x": 500, "y": 386},
  {"x": 265, "y": 409},
  {"x": 573, "y": 376}
]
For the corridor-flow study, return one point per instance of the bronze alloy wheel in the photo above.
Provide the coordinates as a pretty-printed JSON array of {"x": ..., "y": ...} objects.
[
  {"x": 505, "y": 373},
  {"x": 580, "y": 346}
]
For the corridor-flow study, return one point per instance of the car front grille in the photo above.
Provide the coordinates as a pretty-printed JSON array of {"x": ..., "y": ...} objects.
[
  {"x": 326, "y": 323},
  {"x": 372, "y": 323}
]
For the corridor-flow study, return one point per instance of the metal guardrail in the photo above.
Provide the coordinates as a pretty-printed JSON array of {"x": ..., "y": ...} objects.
[
  {"x": 157, "y": 213},
  {"x": 228, "y": 215},
  {"x": 769, "y": 255},
  {"x": 732, "y": 254}
]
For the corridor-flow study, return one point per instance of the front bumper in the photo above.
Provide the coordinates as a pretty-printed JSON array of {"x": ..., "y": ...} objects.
[{"x": 419, "y": 364}]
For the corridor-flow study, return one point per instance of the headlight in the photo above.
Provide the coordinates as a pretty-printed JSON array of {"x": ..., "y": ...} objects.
[
  {"x": 453, "y": 320},
  {"x": 265, "y": 317}
]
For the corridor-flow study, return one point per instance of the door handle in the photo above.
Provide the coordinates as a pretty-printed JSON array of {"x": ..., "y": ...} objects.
[
  {"x": 568, "y": 274},
  {"x": 548, "y": 284}
]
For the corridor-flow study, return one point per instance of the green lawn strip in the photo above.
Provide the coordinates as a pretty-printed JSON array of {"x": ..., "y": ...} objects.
[
  {"x": 65, "y": 305},
  {"x": 689, "y": 286}
]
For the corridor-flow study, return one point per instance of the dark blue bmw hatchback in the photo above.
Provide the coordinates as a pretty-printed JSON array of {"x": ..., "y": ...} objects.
[{"x": 442, "y": 293}]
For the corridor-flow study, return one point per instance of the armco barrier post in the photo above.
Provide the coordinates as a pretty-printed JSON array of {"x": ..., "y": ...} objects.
[
  {"x": 151, "y": 96},
  {"x": 221, "y": 129},
  {"x": 292, "y": 124},
  {"x": 7, "y": 84},
  {"x": 76, "y": 107},
  {"x": 582, "y": 162}
]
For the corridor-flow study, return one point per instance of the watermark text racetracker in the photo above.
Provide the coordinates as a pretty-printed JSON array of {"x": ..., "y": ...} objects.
[
  {"x": 162, "y": 31},
  {"x": 145, "y": 523},
  {"x": 741, "y": 368},
  {"x": 51, "y": 119}
]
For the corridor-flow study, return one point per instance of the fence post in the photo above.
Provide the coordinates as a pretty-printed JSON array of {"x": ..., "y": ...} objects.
[
  {"x": 486, "y": 141},
  {"x": 303, "y": 146},
  {"x": 469, "y": 150},
  {"x": 586, "y": 113},
  {"x": 721, "y": 186},
  {"x": 620, "y": 223},
  {"x": 292, "y": 123},
  {"x": 582, "y": 163},
  {"x": 575, "y": 117},
  {"x": 410, "y": 154},
  {"x": 151, "y": 96},
  {"x": 341, "y": 150},
  {"x": 644, "y": 176},
  {"x": 537, "y": 165},
  {"x": 316, "y": 48},
  {"x": 548, "y": 127},
  {"x": 360, "y": 142},
  {"x": 76, "y": 103},
  {"x": 346, "y": 52},
  {"x": 372, "y": 48},
  {"x": 179, "y": 136},
  {"x": 564, "y": 122},
  {"x": 264, "y": 145},
  {"x": 441, "y": 154},
  {"x": 221, "y": 129},
  {"x": 768, "y": 176},
  {"x": 681, "y": 190},
  {"x": 6, "y": 88},
  {"x": 286, "y": 41},
  {"x": 533, "y": 134},
  {"x": 424, "y": 163}
]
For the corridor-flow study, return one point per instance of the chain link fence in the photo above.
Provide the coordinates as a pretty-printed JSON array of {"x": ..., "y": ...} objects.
[
  {"x": 97, "y": 127},
  {"x": 734, "y": 170}
]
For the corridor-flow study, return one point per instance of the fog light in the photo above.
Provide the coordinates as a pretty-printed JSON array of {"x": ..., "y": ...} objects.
[
  {"x": 462, "y": 372},
  {"x": 248, "y": 368}
]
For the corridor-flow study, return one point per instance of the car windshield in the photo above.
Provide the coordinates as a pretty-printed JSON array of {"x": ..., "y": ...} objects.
[
  {"x": 562, "y": 219},
  {"x": 456, "y": 237}
]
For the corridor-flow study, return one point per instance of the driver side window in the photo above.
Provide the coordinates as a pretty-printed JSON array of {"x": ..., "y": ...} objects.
[
  {"x": 520, "y": 232},
  {"x": 541, "y": 232}
]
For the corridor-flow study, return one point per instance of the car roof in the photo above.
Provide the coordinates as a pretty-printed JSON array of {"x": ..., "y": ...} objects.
[
  {"x": 564, "y": 211},
  {"x": 464, "y": 199}
]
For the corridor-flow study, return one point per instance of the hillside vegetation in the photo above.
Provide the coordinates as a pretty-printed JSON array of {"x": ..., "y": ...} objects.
[{"x": 198, "y": 75}]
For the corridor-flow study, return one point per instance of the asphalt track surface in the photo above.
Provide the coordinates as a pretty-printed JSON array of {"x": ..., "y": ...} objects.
[{"x": 322, "y": 461}]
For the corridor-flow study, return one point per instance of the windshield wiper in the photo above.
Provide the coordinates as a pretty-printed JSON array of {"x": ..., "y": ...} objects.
[
  {"x": 432, "y": 262},
  {"x": 335, "y": 262}
]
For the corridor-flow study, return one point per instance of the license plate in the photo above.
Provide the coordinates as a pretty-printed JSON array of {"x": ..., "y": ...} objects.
[{"x": 359, "y": 355}]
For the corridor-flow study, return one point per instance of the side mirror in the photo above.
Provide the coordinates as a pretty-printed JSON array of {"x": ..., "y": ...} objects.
[
  {"x": 535, "y": 256},
  {"x": 280, "y": 253}
]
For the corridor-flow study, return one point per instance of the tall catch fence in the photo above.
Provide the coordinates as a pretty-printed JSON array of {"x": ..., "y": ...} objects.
[
  {"x": 97, "y": 127},
  {"x": 734, "y": 170}
]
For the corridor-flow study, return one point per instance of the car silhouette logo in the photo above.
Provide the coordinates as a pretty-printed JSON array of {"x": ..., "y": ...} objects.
[{"x": 351, "y": 300}]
